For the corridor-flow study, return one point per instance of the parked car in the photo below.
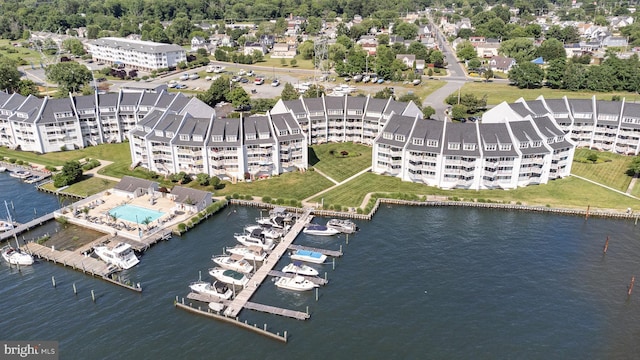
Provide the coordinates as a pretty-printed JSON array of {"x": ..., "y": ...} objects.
[
  {"x": 258, "y": 81},
  {"x": 184, "y": 77},
  {"x": 275, "y": 83},
  {"x": 244, "y": 80},
  {"x": 194, "y": 76}
]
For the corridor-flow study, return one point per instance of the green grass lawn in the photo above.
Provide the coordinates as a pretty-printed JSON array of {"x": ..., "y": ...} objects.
[
  {"x": 566, "y": 193},
  {"x": 499, "y": 92},
  {"x": 301, "y": 63},
  {"x": 296, "y": 185},
  {"x": 610, "y": 169},
  {"x": 88, "y": 186},
  {"x": 328, "y": 159},
  {"x": 19, "y": 53}
]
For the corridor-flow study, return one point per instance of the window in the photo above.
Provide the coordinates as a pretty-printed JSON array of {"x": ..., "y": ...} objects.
[
  {"x": 505, "y": 147},
  {"x": 197, "y": 137},
  {"x": 453, "y": 146},
  {"x": 387, "y": 135},
  {"x": 170, "y": 134},
  {"x": 251, "y": 136},
  {"x": 491, "y": 147},
  {"x": 216, "y": 138},
  {"x": 537, "y": 144},
  {"x": 432, "y": 143},
  {"x": 418, "y": 141},
  {"x": 524, "y": 145},
  {"x": 400, "y": 138},
  {"x": 467, "y": 146},
  {"x": 184, "y": 137},
  {"x": 159, "y": 133},
  {"x": 283, "y": 132}
]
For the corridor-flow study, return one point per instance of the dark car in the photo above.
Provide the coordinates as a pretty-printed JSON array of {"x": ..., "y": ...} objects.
[{"x": 244, "y": 80}]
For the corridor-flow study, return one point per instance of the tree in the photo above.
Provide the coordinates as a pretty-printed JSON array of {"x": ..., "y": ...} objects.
[
  {"x": 306, "y": 49},
  {"x": 70, "y": 76},
  {"x": 526, "y": 75},
  {"x": 487, "y": 75},
  {"x": 465, "y": 51},
  {"x": 293, "y": 62},
  {"x": 238, "y": 97},
  {"x": 634, "y": 167},
  {"x": 574, "y": 77},
  {"x": 27, "y": 87},
  {"x": 555, "y": 73},
  {"x": 385, "y": 93},
  {"x": 9, "y": 75},
  {"x": 458, "y": 111},
  {"x": 406, "y": 30},
  {"x": 428, "y": 112},
  {"x": 521, "y": 49},
  {"x": 474, "y": 63},
  {"x": 74, "y": 46},
  {"x": 202, "y": 179},
  {"x": 551, "y": 49},
  {"x": 314, "y": 91},
  {"x": 593, "y": 157},
  {"x": 71, "y": 173},
  {"x": 217, "y": 92},
  {"x": 289, "y": 92},
  {"x": 436, "y": 58}
]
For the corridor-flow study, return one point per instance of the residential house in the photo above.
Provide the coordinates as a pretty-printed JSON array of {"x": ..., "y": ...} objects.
[
  {"x": 198, "y": 42},
  {"x": 250, "y": 47},
  {"x": 283, "y": 50},
  {"x": 501, "y": 63}
]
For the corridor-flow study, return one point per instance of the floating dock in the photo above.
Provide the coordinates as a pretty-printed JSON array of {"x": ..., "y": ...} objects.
[
  {"x": 252, "y": 306},
  {"x": 24, "y": 227},
  {"x": 258, "y": 277}
]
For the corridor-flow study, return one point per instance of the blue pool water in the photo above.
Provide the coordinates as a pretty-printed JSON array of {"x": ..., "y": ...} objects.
[{"x": 134, "y": 213}]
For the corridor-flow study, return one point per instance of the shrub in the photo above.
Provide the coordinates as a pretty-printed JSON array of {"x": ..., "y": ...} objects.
[
  {"x": 236, "y": 196},
  {"x": 50, "y": 168},
  {"x": 12, "y": 160},
  {"x": 19, "y": 162},
  {"x": 248, "y": 197},
  {"x": 266, "y": 199},
  {"x": 182, "y": 227},
  {"x": 228, "y": 197}
]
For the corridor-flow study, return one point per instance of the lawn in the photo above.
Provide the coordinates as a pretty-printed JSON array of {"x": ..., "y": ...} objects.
[
  {"x": 88, "y": 186},
  {"x": 609, "y": 170},
  {"x": 301, "y": 63},
  {"x": 565, "y": 193},
  {"x": 296, "y": 185},
  {"x": 330, "y": 159},
  {"x": 499, "y": 92},
  {"x": 19, "y": 53}
]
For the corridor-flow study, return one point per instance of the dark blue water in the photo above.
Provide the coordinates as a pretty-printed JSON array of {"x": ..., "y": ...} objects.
[{"x": 414, "y": 283}]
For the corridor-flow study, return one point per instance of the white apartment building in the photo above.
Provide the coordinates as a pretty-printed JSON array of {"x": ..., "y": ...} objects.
[{"x": 137, "y": 54}]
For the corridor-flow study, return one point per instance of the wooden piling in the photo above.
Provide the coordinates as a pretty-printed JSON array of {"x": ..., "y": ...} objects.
[
  {"x": 606, "y": 246},
  {"x": 75, "y": 291},
  {"x": 53, "y": 281},
  {"x": 93, "y": 296},
  {"x": 630, "y": 287}
]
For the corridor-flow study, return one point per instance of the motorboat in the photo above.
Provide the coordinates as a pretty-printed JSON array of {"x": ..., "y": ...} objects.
[
  {"x": 3, "y": 169},
  {"x": 20, "y": 174},
  {"x": 343, "y": 225},
  {"x": 309, "y": 256},
  {"x": 121, "y": 255},
  {"x": 267, "y": 230},
  {"x": 251, "y": 253},
  {"x": 15, "y": 256},
  {"x": 299, "y": 268},
  {"x": 273, "y": 221},
  {"x": 321, "y": 230},
  {"x": 297, "y": 283},
  {"x": 229, "y": 276},
  {"x": 5, "y": 226},
  {"x": 233, "y": 262},
  {"x": 255, "y": 238},
  {"x": 218, "y": 289}
]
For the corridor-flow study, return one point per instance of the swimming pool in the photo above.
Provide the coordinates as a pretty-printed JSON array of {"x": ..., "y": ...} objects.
[{"x": 135, "y": 214}]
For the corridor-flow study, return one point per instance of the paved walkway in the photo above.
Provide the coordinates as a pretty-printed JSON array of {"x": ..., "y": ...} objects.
[
  {"x": 306, "y": 202},
  {"x": 94, "y": 171}
]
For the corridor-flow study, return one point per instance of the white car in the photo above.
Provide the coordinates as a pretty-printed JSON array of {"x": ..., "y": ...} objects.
[
  {"x": 275, "y": 83},
  {"x": 194, "y": 76},
  {"x": 184, "y": 77}
]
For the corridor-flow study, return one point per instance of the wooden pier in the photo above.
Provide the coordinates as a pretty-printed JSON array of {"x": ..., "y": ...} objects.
[
  {"x": 313, "y": 279},
  {"x": 252, "y": 306},
  {"x": 333, "y": 253},
  {"x": 24, "y": 227},
  {"x": 258, "y": 277}
]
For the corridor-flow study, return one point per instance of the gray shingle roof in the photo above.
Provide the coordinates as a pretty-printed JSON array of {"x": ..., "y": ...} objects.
[
  {"x": 461, "y": 133},
  {"x": 496, "y": 134},
  {"x": 131, "y": 184},
  {"x": 225, "y": 127},
  {"x": 397, "y": 125},
  {"x": 426, "y": 130},
  {"x": 189, "y": 196},
  {"x": 256, "y": 125},
  {"x": 138, "y": 45},
  {"x": 54, "y": 106}
]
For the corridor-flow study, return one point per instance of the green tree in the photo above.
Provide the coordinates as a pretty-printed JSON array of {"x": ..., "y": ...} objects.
[
  {"x": 634, "y": 167},
  {"x": 314, "y": 91},
  {"x": 27, "y": 87},
  {"x": 9, "y": 74},
  {"x": 306, "y": 49},
  {"x": 465, "y": 51},
  {"x": 526, "y": 75},
  {"x": 555, "y": 73},
  {"x": 217, "y": 91},
  {"x": 74, "y": 46},
  {"x": 385, "y": 93},
  {"x": 551, "y": 49},
  {"x": 428, "y": 112},
  {"x": 293, "y": 62},
  {"x": 458, "y": 111},
  {"x": 406, "y": 30},
  {"x": 593, "y": 157},
  {"x": 70, "y": 76},
  {"x": 71, "y": 173},
  {"x": 574, "y": 77},
  {"x": 238, "y": 97},
  {"x": 521, "y": 49},
  {"x": 436, "y": 58},
  {"x": 202, "y": 179},
  {"x": 487, "y": 75},
  {"x": 289, "y": 92}
]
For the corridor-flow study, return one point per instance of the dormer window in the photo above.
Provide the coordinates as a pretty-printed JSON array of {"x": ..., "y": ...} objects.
[
  {"x": 400, "y": 138},
  {"x": 453, "y": 146},
  {"x": 537, "y": 144},
  {"x": 197, "y": 137},
  {"x": 159, "y": 133},
  {"x": 418, "y": 141},
  {"x": 251, "y": 136},
  {"x": 432, "y": 143},
  {"x": 505, "y": 147},
  {"x": 184, "y": 137},
  {"x": 387, "y": 135},
  {"x": 524, "y": 145},
  {"x": 216, "y": 138},
  {"x": 469, "y": 147},
  {"x": 490, "y": 147}
]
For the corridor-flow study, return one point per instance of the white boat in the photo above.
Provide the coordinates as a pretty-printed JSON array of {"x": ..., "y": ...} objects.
[
  {"x": 233, "y": 262},
  {"x": 277, "y": 222},
  {"x": 309, "y": 256},
  {"x": 16, "y": 257},
  {"x": 251, "y": 253},
  {"x": 297, "y": 283},
  {"x": 343, "y": 225},
  {"x": 5, "y": 226},
  {"x": 20, "y": 174},
  {"x": 321, "y": 230},
  {"x": 255, "y": 238},
  {"x": 217, "y": 289},
  {"x": 121, "y": 255},
  {"x": 299, "y": 268},
  {"x": 268, "y": 231},
  {"x": 229, "y": 276},
  {"x": 3, "y": 169}
]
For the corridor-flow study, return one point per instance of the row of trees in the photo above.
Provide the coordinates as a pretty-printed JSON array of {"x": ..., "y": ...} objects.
[{"x": 614, "y": 74}]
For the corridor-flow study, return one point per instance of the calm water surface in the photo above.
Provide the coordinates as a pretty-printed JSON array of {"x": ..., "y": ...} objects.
[{"x": 441, "y": 283}]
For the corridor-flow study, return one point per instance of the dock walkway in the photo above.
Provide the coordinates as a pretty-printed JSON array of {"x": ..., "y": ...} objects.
[
  {"x": 243, "y": 297},
  {"x": 75, "y": 260},
  {"x": 24, "y": 227}
]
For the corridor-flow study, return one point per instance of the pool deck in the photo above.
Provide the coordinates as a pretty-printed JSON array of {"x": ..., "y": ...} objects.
[{"x": 93, "y": 213}]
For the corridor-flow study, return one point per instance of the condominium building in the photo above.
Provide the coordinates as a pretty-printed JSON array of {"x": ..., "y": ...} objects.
[{"x": 137, "y": 54}]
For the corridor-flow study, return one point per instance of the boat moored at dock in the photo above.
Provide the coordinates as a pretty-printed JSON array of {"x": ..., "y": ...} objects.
[
  {"x": 255, "y": 238},
  {"x": 251, "y": 253},
  {"x": 320, "y": 230},
  {"x": 16, "y": 257},
  {"x": 20, "y": 174},
  {"x": 297, "y": 267},
  {"x": 229, "y": 276},
  {"x": 308, "y": 256},
  {"x": 6, "y": 226},
  {"x": 344, "y": 226},
  {"x": 217, "y": 289},
  {"x": 233, "y": 262},
  {"x": 121, "y": 255},
  {"x": 296, "y": 283}
]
